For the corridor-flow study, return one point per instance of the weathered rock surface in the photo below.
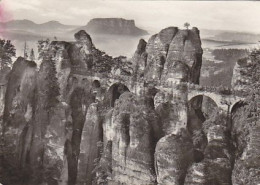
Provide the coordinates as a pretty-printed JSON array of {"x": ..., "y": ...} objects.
[
  {"x": 173, "y": 155},
  {"x": 133, "y": 147},
  {"x": 140, "y": 59},
  {"x": 41, "y": 114},
  {"x": 19, "y": 103},
  {"x": 4, "y": 73},
  {"x": 245, "y": 122},
  {"x": 196, "y": 175},
  {"x": 89, "y": 150},
  {"x": 174, "y": 55},
  {"x": 246, "y": 139}
]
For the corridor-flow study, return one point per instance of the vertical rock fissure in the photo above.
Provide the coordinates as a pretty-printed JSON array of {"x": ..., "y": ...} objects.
[{"x": 78, "y": 119}]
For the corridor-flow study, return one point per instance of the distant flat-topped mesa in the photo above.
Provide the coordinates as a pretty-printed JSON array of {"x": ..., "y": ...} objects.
[
  {"x": 114, "y": 26},
  {"x": 171, "y": 55}
]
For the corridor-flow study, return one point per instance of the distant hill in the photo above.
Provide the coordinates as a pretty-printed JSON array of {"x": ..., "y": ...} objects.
[
  {"x": 112, "y": 26},
  {"x": 230, "y": 36},
  {"x": 109, "y": 34},
  {"x": 30, "y": 26}
]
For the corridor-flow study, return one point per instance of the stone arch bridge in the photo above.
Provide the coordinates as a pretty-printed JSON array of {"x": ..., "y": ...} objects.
[{"x": 224, "y": 101}]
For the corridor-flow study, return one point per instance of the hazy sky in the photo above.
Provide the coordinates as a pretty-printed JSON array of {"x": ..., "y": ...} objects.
[{"x": 151, "y": 15}]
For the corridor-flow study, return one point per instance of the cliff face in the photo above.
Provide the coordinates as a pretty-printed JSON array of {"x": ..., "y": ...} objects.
[
  {"x": 245, "y": 122},
  {"x": 3, "y": 85},
  {"x": 246, "y": 136},
  {"x": 114, "y": 26},
  {"x": 132, "y": 144},
  {"x": 173, "y": 55},
  {"x": 18, "y": 115},
  {"x": 46, "y": 111}
]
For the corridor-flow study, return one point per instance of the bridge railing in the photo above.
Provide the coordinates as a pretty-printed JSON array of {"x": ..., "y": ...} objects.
[
  {"x": 161, "y": 84},
  {"x": 85, "y": 72},
  {"x": 212, "y": 89}
]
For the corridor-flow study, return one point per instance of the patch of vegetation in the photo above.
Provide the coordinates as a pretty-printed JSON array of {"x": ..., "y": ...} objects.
[{"x": 7, "y": 51}]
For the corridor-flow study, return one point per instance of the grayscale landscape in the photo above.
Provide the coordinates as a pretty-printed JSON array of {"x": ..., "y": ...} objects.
[{"x": 129, "y": 92}]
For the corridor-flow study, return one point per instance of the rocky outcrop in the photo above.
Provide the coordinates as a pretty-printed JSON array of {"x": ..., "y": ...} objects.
[
  {"x": 173, "y": 114},
  {"x": 133, "y": 147},
  {"x": 140, "y": 59},
  {"x": 18, "y": 110},
  {"x": 4, "y": 73},
  {"x": 89, "y": 148},
  {"x": 214, "y": 158},
  {"x": 39, "y": 109},
  {"x": 245, "y": 122},
  {"x": 246, "y": 139},
  {"x": 79, "y": 103},
  {"x": 174, "y": 55},
  {"x": 84, "y": 119},
  {"x": 173, "y": 156},
  {"x": 114, "y": 26}
]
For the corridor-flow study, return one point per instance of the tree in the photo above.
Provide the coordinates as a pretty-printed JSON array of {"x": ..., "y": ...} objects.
[
  {"x": 186, "y": 25},
  {"x": 25, "y": 51},
  {"x": 52, "y": 90},
  {"x": 32, "y": 56},
  {"x": 7, "y": 51},
  {"x": 43, "y": 46},
  {"x": 124, "y": 65}
]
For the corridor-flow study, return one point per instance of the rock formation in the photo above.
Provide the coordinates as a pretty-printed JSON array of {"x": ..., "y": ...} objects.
[
  {"x": 174, "y": 54},
  {"x": 173, "y": 156},
  {"x": 87, "y": 118},
  {"x": 245, "y": 122},
  {"x": 132, "y": 145},
  {"x": 246, "y": 139}
]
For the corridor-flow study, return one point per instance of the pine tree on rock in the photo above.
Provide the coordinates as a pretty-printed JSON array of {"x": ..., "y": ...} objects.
[
  {"x": 32, "y": 55},
  {"x": 51, "y": 82},
  {"x": 25, "y": 51},
  {"x": 43, "y": 46},
  {"x": 7, "y": 51}
]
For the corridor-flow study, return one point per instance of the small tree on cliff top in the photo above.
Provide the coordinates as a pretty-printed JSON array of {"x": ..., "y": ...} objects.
[
  {"x": 186, "y": 25},
  {"x": 7, "y": 51}
]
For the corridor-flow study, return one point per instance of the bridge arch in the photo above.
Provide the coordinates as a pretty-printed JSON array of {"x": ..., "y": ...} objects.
[
  {"x": 200, "y": 108},
  {"x": 114, "y": 92},
  {"x": 236, "y": 105},
  {"x": 96, "y": 84},
  {"x": 218, "y": 98}
]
